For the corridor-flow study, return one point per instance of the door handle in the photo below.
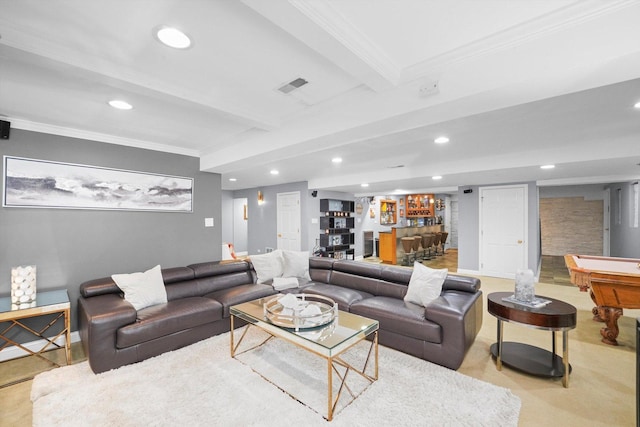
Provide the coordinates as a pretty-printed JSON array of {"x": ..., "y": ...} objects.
[
  {"x": 279, "y": 235},
  {"x": 519, "y": 242}
]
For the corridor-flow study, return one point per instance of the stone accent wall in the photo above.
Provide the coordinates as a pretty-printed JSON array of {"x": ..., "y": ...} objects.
[{"x": 571, "y": 225}]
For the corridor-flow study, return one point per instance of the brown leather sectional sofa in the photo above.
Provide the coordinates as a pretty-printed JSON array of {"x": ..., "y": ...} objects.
[{"x": 199, "y": 296}]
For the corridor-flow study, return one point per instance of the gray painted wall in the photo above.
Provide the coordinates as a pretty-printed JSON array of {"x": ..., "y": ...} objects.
[
  {"x": 72, "y": 246},
  {"x": 469, "y": 228},
  {"x": 625, "y": 237},
  {"x": 263, "y": 220}
]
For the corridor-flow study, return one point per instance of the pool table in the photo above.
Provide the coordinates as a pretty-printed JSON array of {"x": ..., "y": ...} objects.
[{"x": 614, "y": 284}]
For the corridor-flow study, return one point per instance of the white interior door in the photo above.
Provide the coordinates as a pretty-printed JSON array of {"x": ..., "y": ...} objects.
[
  {"x": 240, "y": 226},
  {"x": 503, "y": 230},
  {"x": 288, "y": 227}
]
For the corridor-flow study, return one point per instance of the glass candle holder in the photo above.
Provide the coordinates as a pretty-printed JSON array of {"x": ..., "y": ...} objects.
[
  {"x": 23, "y": 287},
  {"x": 525, "y": 286}
]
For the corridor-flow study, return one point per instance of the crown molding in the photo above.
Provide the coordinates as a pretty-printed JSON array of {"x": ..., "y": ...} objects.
[
  {"x": 97, "y": 136},
  {"x": 562, "y": 19},
  {"x": 610, "y": 179},
  {"x": 335, "y": 24}
]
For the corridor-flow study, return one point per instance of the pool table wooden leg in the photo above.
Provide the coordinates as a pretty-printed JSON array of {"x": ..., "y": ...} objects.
[
  {"x": 595, "y": 310},
  {"x": 610, "y": 316}
]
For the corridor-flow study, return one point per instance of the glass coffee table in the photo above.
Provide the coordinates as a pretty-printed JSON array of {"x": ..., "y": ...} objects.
[{"x": 328, "y": 342}]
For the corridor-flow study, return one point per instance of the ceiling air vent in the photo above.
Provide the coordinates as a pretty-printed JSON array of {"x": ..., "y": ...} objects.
[{"x": 293, "y": 85}]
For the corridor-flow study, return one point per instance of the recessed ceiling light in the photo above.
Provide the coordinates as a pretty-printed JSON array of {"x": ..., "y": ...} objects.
[
  {"x": 441, "y": 140},
  {"x": 232, "y": 179},
  {"x": 637, "y": 105},
  {"x": 337, "y": 160},
  {"x": 120, "y": 105},
  {"x": 173, "y": 37},
  {"x": 274, "y": 172},
  {"x": 436, "y": 177},
  {"x": 547, "y": 166},
  {"x": 364, "y": 184}
]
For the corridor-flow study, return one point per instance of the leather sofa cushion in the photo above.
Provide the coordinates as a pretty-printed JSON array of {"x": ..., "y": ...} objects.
[
  {"x": 320, "y": 269},
  {"x": 218, "y": 268},
  {"x": 106, "y": 285},
  {"x": 343, "y": 296},
  {"x": 364, "y": 269},
  {"x": 400, "y": 317},
  {"x": 165, "y": 319},
  {"x": 240, "y": 294}
]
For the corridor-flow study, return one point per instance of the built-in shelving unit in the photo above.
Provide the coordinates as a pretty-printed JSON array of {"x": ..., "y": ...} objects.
[
  {"x": 388, "y": 212},
  {"x": 336, "y": 228}
]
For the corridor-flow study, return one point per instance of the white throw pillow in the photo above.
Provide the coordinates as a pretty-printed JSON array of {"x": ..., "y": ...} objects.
[
  {"x": 296, "y": 264},
  {"x": 142, "y": 289},
  {"x": 425, "y": 284},
  {"x": 267, "y": 265}
]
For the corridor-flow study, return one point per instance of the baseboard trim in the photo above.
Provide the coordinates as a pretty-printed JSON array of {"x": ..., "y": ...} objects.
[
  {"x": 15, "y": 352},
  {"x": 465, "y": 271}
]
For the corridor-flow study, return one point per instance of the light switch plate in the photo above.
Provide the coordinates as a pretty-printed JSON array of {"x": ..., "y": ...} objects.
[{"x": 208, "y": 222}]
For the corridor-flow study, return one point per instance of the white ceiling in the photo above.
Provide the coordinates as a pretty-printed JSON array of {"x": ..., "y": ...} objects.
[{"x": 517, "y": 85}]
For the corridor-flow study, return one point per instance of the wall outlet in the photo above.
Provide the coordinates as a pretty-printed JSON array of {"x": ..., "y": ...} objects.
[{"x": 268, "y": 249}]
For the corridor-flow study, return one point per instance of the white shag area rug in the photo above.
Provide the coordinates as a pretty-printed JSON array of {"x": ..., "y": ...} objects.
[{"x": 201, "y": 385}]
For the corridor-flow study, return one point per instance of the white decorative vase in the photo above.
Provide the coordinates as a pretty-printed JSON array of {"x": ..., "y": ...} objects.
[
  {"x": 525, "y": 286},
  {"x": 23, "y": 287}
]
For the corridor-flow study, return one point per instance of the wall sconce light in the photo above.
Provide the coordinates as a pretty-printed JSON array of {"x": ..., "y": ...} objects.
[{"x": 260, "y": 197}]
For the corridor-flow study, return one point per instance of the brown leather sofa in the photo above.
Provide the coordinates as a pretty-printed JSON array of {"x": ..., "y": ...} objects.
[
  {"x": 199, "y": 296},
  {"x": 440, "y": 333}
]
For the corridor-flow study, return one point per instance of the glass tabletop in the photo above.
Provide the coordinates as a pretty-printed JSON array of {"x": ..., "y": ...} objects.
[
  {"x": 330, "y": 339},
  {"x": 43, "y": 299}
]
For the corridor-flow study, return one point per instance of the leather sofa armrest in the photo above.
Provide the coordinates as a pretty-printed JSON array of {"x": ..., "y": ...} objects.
[
  {"x": 461, "y": 283},
  {"x": 99, "y": 318},
  {"x": 107, "y": 311},
  {"x": 459, "y": 313},
  {"x": 443, "y": 312}
]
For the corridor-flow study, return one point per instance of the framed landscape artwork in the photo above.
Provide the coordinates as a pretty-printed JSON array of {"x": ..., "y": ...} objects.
[{"x": 32, "y": 183}]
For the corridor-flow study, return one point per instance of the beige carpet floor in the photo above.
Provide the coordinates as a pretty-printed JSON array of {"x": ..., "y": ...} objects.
[{"x": 602, "y": 387}]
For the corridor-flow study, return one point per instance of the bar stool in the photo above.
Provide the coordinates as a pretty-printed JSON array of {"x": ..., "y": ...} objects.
[
  {"x": 439, "y": 238},
  {"x": 443, "y": 240},
  {"x": 436, "y": 242},
  {"x": 417, "y": 240},
  {"x": 407, "y": 246},
  {"x": 427, "y": 242}
]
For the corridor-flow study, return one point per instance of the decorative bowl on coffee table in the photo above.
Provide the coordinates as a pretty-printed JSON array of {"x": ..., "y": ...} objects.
[{"x": 306, "y": 311}]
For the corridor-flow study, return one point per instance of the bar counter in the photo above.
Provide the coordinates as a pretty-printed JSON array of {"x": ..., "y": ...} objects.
[{"x": 390, "y": 245}]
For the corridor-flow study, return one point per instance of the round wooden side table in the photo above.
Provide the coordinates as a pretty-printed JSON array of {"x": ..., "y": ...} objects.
[{"x": 555, "y": 316}]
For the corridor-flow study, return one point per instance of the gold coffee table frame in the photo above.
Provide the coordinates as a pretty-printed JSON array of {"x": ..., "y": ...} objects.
[
  {"x": 349, "y": 331},
  {"x": 48, "y": 302}
]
